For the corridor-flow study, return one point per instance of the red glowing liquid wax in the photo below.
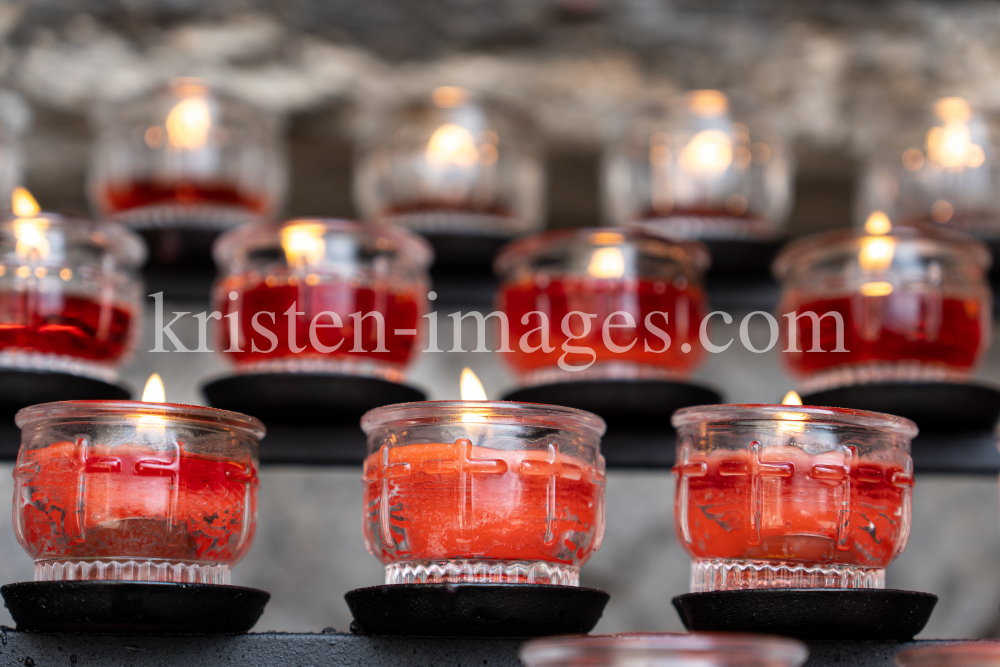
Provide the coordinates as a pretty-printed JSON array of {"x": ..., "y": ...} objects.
[
  {"x": 457, "y": 501},
  {"x": 447, "y": 206},
  {"x": 558, "y": 297},
  {"x": 122, "y": 197},
  {"x": 54, "y": 323},
  {"x": 778, "y": 503},
  {"x": 128, "y": 502},
  {"x": 901, "y": 326},
  {"x": 400, "y": 310}
]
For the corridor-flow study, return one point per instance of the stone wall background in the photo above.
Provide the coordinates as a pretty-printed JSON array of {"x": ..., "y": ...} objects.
[{"x": 831, "y": 74}]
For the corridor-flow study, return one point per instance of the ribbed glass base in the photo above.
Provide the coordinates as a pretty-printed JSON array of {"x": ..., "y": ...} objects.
[
  {"x": 729, "y": 575},
  {"x": 482, "y": 572},
  {"x": 357, "y": 368},
  {"x": 611, "y": 370},
  {"x": 904, "y": 371},
  {"x": 131, "y": 570},
  {"x": 202, "y": 217},
  {"x": 56, "y": 363}
]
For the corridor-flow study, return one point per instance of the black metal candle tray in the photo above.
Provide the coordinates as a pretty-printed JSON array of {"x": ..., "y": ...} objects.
[
  {"x": 637, "y": 413},
  {"x": 310, "y": 417},
  {"x": 740, "y": 275},
  {"x": 180, "y": 263},
  {"x": 19, "y": 389},
  {"x": 956, "y": 420},
  {"x": 462, "y": 273},
  {"x": 813, "y": 614},
  {"x": 133, "y": 607},
  {"x": 475, "y": 610}
]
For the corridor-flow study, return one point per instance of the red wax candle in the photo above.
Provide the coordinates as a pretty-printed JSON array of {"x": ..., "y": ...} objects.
[
  {"x": 401, "y": 310},
  {"x": 641, "y": 298},
  {"x": 902, "y": 326},
  {"x": 52, "y": 322},
  {"x": 157, "y": 505},
  {"x": 445, "y": 501},
  {"x": 814, "y": 509},
  {"x": 124, "y": 196}
]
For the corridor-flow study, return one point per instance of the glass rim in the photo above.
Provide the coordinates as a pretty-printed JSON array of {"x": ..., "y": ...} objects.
[
  {"x": 968, "y": 652},
  {"x": 176, "y": 412},
  {"x": 737, "y": 647},
  {"x": 805, "y": 250},
  {"x": 414, "y": 248},
  {"x": 752, "y": 412},
  {"x": 524, "y": 248},
  {"x": 114, "y": 236},
  {"x": 425, "y": 413}
]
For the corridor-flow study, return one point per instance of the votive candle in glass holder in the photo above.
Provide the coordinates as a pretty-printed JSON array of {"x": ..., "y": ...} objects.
[
  {"x": 483, "y": 492},
  {"x": 612, "y": 303},
  {"x": 650, "y": 649},
  {"x": 686, "y": 167},
  {"x": 936, "y": 165},
  {"x": 70, "y": 296},
  {"x": 455, "y": 162},
  {"x": 321, "y": 295},
  {"x": 903, "y": 303},
  {"x": 791, "y": 496},
  {"x": 186, "y": 156},
  {"x": 135, "y": 491}
]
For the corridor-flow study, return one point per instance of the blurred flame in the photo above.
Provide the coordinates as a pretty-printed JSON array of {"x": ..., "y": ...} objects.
[
  {"x": 876, "y": 253},
  {"x": 452, "y": 145},
  {"x": 303, "y": 244},
  {"x": 708, "y": 152},
  {"x": 154, "y": 391},
  {"x": 878, "y": 223},
  {"x": 449, "y": 97},
  {"x": 707, "y": 103},
  {"x": 607, "y": 263},
  {"x": 472, "y": 388},
  {"x": 792, "y": 398},
  {"x": 189, "y": 123},
  {"x": 877, "y": 288},
  {"x": 950, "y": 146},
  {"x": 23, "y": 204}
]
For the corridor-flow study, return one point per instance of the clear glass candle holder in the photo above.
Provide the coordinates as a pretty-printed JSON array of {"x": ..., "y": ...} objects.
[
  {"x": 15, "y": 119},
  {"x": 187, "y": 157},
  {"x": 318, "y": 295},
  {"x": 607, "y": 303},
  {"x": 70, "y": 295},
  {"x": 687, "y": 168},
  {"x": 453, "y": 163},
  {"x": 903, "y": 303},
  {"x": 133, "y": 491},
  {"x": 779, "y": 496},
  {"x": 936, "y": 165},
  {"x": 974, "y": 653},
  {"x": 649, "y": 649},
  {"x": 483, "y": 492}
]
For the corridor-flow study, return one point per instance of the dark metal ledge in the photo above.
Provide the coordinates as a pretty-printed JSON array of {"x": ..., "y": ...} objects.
[{"x": 272, "y": 649}]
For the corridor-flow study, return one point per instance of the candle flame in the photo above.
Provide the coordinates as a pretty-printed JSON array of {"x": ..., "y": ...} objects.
[
  {"x": 876, "y": 253},
  {"x": 154, "y": 392},
  {"x": 449, "y": 97},
  {"x": 189, "y": 123},
  {"x": 472, "y": 388},
  {"x": 792, "y": 398},
  {"x": 452, "y": 145},
  {"x": 949, "y": 145},
  {"x": 29, "y": 231},
  {"x": 607, "y": 263},
  {"x": 707, "y": 103},
  {"x": 878, "y": 223},
  {"x": 877, "y": 288},
  {"x": 304, "y": 244},
  {"x": 709, "y": 152},
  {"x": 23, "y": 204}
]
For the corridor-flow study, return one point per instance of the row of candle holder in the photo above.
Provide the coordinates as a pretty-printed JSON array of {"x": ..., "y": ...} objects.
[
  {"x": 457, "y": 162},
  {"x": 883, "y": 304},
  {"x": 469, "y": 492}
]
